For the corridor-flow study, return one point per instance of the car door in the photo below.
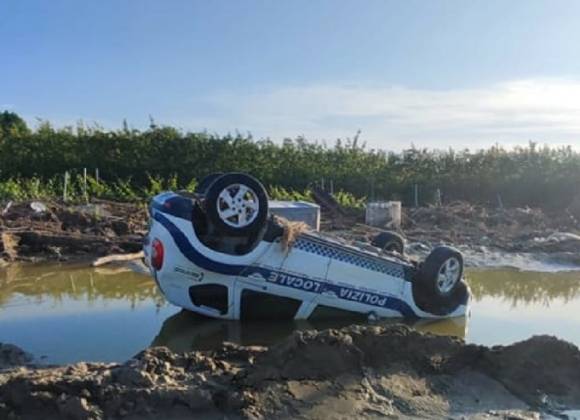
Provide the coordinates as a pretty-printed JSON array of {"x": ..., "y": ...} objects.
[{"x": 294, "y": 276}]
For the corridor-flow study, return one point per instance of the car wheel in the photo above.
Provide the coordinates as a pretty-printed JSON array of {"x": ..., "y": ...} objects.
[
  {"x": 206, "y": 182},
  {"x": 237, "y": 204},
  {"x": 389, "y": 241},
  {"x": 441, "y": 273}
]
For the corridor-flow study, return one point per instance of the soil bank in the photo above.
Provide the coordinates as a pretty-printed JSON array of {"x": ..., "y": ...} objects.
[
  {"x": 354, "y": 372},
  {"x": 65, "y": 232}
]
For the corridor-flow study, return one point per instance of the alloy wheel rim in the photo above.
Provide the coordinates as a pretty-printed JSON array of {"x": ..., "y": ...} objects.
[
  {"x": 237, "y": 205},
  {"x": 448, "y": 275}
]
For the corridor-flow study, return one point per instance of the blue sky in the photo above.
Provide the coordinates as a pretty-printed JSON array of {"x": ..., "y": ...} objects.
[{"x": 433, "y": 73}]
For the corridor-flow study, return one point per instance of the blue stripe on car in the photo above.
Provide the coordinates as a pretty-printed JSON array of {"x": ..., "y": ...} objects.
[
  {"x": 174, "y": 204},
  {"x": 342, "y": 292},
  {"x": 193, "y": 254},
  {"x": 282, "y": 278}
]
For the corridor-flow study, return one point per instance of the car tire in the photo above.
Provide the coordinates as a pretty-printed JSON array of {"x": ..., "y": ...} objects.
[
  {"x": 441, "y": 272},
  {"x": 389, "y": 241},
  {"x": 442, "y": 307},
  {"x": 236, "y": 204},
  {"x": 428, "y": 296},
  {"x": 202, "y": 187}
]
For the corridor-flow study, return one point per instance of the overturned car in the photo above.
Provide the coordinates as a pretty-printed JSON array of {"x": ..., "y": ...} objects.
[{"x": 219, "y": 253}]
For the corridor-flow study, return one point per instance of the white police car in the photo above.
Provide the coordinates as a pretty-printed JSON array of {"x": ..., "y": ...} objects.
[{"x": 218, "y": 253}]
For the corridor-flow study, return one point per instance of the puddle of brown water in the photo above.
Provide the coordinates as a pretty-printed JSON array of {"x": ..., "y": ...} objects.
[{"x": 66, "y": 313}]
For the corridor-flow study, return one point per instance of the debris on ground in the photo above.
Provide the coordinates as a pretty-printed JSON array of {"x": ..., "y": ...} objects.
[
  {"x": 510, "y": 229},
  {"x": 327, "y": 202},
  {"x": 486, "y": 236},
  {"x": 353, "y": 372},
  {"x": 333, "y": 215},
  {"x": 31, "y": 231},
  {"x": 117, "y": 258},
  {"x": 38, "y": 207},
  {"x": 61, "y": 231}
]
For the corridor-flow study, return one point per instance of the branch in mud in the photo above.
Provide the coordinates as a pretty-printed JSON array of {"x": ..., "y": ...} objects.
[{"x": 117, "y": 258}]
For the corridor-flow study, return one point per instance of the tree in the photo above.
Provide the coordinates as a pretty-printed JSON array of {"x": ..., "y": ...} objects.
[{"x": 12, "y": 125}]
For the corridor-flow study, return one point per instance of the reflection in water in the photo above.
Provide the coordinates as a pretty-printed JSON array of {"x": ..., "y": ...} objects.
[
  {"x": 186, "y": 331},
  {"x": 511, "y": 306},
  {"x": 67, "y": 313},
  {"x": 57, "y": 283},
  {"x": 523, "y": 287},
  {"x": 71, "y": 313}
]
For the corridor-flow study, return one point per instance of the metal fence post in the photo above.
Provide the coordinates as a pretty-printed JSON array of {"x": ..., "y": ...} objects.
[
  {"x": 65, "y": 187},
  {"x": 438, "y": 200},
  {"x": 85, "y": 185},
  {"x": 499, "y": 201}
]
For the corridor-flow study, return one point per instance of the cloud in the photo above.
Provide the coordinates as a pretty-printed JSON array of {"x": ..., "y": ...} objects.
[{"x": 543, "y": 110}]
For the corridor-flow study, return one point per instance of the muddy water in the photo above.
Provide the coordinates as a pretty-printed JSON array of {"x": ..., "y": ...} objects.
[
  {"x": 511, "y": 305},
  {"x": 65, "y": 313}
]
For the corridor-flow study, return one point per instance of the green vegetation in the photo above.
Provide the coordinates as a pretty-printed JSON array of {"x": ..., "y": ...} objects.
[
  {"x": 134, "y": 164},
  {"x": 12, "y": 125},
  {"x": 121, "y": 190}
]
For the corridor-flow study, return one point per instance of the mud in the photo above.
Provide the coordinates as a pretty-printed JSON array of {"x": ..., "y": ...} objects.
[
  {"x": 485, "y": 235},
  {"x": 63, "y": 232},
  {"x": 354, "y": 372},
  {"x": 523, "y": 238},
  {"x": 513, "y": 229}
]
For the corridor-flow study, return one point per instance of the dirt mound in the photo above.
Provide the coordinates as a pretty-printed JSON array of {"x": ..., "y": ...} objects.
[
  {"x": 363, "y": 372},
  {"x": 328, "y": 353},
  {"x": 485, "y": 217},
  {"x": 510, "y": 229},
  {"x": 416, "y": 374},
  {"x": 541, "y": 370},
  {"x": 53, "y": 230},
  {"x": 486, "y": 236},
  {"x": 153, "y": 383}
]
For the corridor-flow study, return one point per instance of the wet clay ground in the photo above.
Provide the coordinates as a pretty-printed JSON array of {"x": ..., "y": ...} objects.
[
  {"x": 510, "y": 229},
  {"x": 484, "y": 235},
  {"x": 65, "y": 232},
  {"x": 353, "y": 372}
]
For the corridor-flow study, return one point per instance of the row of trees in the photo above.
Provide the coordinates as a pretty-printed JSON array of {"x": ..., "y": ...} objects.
[{"x": 528, "y": 175}]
